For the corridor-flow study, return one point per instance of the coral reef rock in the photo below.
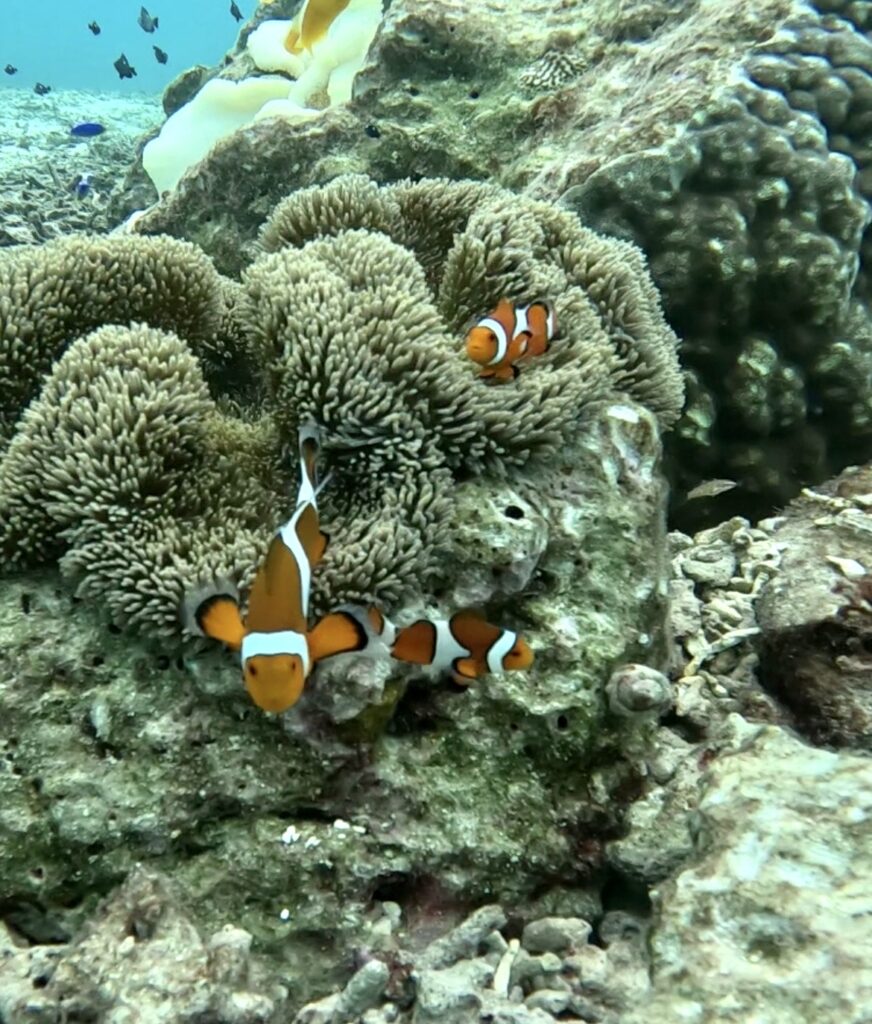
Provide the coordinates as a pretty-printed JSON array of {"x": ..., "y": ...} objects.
[
  {"x": 116, "y": 753},
  {"x": 474, "y": 973},
  {"x": 728, "y": 140},
  {"x": 717, "y": 577},
  {"x": 139, "y": 955},
  {"x": 816, "y": 615},
  {"x": 770, "y": 922}
]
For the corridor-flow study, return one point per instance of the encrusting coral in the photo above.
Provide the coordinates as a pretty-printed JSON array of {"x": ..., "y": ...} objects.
[
  {"x": 54, "y": 293},
  {"x": 125, "y": 461}
]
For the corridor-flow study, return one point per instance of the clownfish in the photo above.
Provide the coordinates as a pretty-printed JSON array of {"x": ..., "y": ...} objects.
[
  {"x": 277, "y": 648},
  {"x": 508, "y": 334},
  {"x": 466, "y": 644},
  {"x": 312, "y": 22}
]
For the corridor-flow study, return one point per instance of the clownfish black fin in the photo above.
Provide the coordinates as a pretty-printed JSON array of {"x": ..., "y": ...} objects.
[
  {"x": 380, "y": 631},
  {"x": 213, "y": 611},
  {"x": 339, "y": 632}
]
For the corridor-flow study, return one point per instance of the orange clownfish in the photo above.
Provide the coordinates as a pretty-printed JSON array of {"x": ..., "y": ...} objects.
[
  {"x": 509, "y": 334},
  {"x": 277, "y": 648},
  {"x": 312, "y": 23},
  {"x": 465, "y": 644}
]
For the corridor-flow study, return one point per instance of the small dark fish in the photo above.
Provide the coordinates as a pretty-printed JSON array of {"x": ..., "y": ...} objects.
[
  {"x": 10, "y": 69},
  {"x": 81, "y": 185},
  {"x": 235, "y": 11},
  {"x": 87, "y": 129},
  {"x": 146, "y": 22},
  {"x": 94, "y": 27},
  {"x": 41, "y": 90},
  {"x": 160, "y": 55},
  {"x": 123, "y": 67}
]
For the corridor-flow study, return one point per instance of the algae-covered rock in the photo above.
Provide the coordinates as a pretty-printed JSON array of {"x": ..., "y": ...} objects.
[
  {"x": 771, "y": 920},
  {"x": 140, "y": 951},
  {"x": 118, "y": 754},
  {"x": 815, "y": 615}
]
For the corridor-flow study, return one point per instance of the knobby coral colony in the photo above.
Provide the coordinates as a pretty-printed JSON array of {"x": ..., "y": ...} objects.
[
  {"x": 279, "y": 650},
  {"x": 148, "y": 481}
]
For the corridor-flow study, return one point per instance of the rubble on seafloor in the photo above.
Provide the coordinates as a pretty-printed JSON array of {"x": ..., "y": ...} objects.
[
  {"x": 55, "y": 184},
  {"x": 777, "y": 876}
]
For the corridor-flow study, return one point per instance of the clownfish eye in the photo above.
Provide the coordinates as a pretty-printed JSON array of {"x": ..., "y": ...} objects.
[{"x": 252, "y": 671}]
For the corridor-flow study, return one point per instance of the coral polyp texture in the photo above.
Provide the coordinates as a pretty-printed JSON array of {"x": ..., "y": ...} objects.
[
  {"x": 728, "y": 141},
  {"x": 138, "y": 475},
  {"x": 55, "y": 293}
]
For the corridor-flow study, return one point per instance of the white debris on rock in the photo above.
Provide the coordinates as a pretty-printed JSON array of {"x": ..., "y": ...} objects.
[{"x": 717, "y": 576}]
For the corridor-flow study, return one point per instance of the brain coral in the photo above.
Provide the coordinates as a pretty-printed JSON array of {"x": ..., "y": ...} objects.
[{"x": 142, "y": 480}]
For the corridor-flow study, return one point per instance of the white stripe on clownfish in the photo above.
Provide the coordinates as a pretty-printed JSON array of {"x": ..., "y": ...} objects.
[
  {"x": 291, "y": 540},
  {"x": 499, "y": 649},
  {"x": 501, "y": 335},
  {"x": 287, "y": 641},
  {"x": 447, "y": 649},
  {"x": 550, "y": 320}
]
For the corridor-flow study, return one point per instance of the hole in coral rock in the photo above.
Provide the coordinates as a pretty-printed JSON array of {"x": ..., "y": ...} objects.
[
  {"x": 372, "y": 131},
  {"x": 474, "y": 94},
  {"x": 562, "y": 722},
  {"x": 163, "y": 663},
  {"x": 97, "y": 661},
  {"x": 414, "y": 90},
  {"x": 513, "y": 512},
  {"x": 113, "y": 629},
  {"x": 40, "y": 981},
  {"x": 37, "y": 874},
  {"x": 25, "y": 603},
  {"x": 622, "y": 893}
]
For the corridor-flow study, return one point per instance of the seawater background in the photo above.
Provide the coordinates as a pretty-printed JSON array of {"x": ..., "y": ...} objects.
[{"x": 51, "y": 43}]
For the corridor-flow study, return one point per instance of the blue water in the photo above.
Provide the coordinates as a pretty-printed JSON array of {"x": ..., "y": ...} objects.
[{"x": 51, "y": 43}]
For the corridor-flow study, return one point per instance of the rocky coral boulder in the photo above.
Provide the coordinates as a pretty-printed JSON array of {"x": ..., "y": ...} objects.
[
  {"x": 139, "y": 955},
  {"x": 771, "y": 919},
  {"x": 393, "y": 787},
  {"x": 816, "y": 617}
]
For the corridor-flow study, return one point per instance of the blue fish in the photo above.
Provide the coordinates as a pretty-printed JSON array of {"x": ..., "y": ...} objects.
[{"x": 87, "y": 129}]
